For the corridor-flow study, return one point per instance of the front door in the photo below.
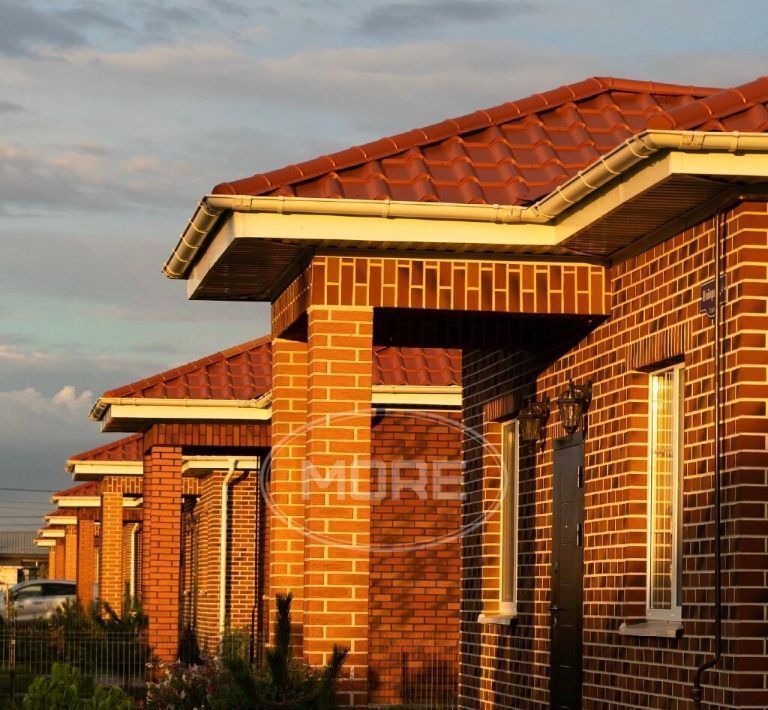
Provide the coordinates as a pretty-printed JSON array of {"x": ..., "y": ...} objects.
[{"x": 566, "y": 610}]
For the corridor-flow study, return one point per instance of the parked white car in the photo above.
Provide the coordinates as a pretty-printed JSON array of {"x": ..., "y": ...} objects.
[{"x": 38, "y": 598}]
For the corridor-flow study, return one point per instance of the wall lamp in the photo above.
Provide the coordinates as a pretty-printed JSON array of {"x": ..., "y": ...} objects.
[
  {"x": 533, "y": 418},
  {"x": 573, "y": 403}
]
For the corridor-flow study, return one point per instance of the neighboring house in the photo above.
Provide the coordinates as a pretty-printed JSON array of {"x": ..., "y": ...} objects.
[
  {"x": 207, "y": 427},
  {"x": 585, "y": 233},
  {"x": 20, "y": 558}
]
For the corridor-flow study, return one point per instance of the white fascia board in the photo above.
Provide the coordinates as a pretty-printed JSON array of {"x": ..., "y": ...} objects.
[
  {"x": 90, "y": 470},
  {"x": 45, "y": 542},
  {"x": 152, "y": 409},
  {"x": 416, "y": 396},
  {"x": 201, "y": 465},
  {"x": 61, "y": 519},
  {"x": 52, "y": 533},
  {"x": 92, "y": 502}
]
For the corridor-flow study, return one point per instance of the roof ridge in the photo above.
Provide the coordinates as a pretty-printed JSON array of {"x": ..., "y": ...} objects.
[
  {"x": 720, "y": 104},
  {"x": 433, "y": 133},
  {"x": 188, "y": 367},
  {"x": 110, "y": 446}
]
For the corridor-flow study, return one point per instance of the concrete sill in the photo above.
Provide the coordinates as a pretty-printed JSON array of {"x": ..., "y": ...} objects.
[
  {"x": 654, "y": 627},
  {"x": 500, "y": 619}
]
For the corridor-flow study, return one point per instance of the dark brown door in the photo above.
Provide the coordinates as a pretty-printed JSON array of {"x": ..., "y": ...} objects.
[{"x": 566, "y": 610}]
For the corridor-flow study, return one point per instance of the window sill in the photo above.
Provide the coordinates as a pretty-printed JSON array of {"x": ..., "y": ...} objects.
[
  {"x": 499, "y": 619},
  {"x": 653, "y": 627}
]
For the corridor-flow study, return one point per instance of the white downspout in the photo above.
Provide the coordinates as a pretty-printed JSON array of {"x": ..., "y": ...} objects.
[{"x": 223, "y": 546}]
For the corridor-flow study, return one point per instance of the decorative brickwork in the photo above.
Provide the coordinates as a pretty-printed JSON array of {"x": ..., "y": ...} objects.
[
  {"x": 445, "y": 284},
  {"x": 161, "y": 548},
  {"x": 86, "y": 561},
  {"x": 413, "y": 602},
  {"x": 202, "y": 434},
  {"x": 111, "y": 549}
]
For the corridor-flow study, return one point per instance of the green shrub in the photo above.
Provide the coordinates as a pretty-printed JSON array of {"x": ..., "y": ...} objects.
[{"x": 67, "y": 689}]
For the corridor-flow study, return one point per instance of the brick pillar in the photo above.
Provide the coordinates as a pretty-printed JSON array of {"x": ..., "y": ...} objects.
[
  {"x": 70, "y": 552},
  {"x": 86, "y": 569},
  {"x": 241, "y": 543},
  {"x": 337, "y": 490},
  {"x": 209, "y": 510},
  {"x": 161, "y": 553},
  {"x": 289, "y": 438},
  {"x": 52, "y": 562},
  {"x": 60, "y": 555},
  {"x": 110, "y": 558}
]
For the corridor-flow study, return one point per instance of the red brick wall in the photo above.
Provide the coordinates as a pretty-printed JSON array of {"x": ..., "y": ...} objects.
[
  {"x": 160, "y": 573},
  {"x": 60, "y": 555},
  {"x": 654, "y": 315},
  {"x": 209, "y": 510},
  {"x": 70, "y": 552},
  {"x": 413, "y": 601},
  {"x": 111, "y": 549},
  {"x": 241, "y": 549}
]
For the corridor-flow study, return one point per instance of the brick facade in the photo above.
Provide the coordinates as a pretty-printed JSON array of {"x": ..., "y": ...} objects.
[
  {"x": 70, "y": 552},
  {"x": 111, "y": 549},
  {"x": 86, "y": 561}
]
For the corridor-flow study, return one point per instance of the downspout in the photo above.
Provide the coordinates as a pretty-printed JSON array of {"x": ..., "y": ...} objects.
[
  {"x": 223, "y": 529},
  {"x": 696, "y": 691}
]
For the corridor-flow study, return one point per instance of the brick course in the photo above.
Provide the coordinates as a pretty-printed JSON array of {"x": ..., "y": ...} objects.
[{"x": 86, "y": 561}]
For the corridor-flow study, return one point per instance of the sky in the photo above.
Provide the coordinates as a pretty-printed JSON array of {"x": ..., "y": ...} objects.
[{"x": 116, "y": 117}]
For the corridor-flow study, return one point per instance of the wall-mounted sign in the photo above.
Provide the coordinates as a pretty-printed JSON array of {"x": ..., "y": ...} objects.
[{"x": 708, "y": 296}]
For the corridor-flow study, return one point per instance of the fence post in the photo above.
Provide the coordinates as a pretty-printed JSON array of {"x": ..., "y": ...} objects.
[{"x": 11, "y": 614}]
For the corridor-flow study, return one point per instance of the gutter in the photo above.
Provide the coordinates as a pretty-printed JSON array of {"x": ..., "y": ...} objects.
[
  {"x": 103, "y": 403},
  {"x": 638, "y": 148}
]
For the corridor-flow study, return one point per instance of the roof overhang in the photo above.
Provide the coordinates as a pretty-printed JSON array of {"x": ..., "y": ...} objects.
[
  {"x": 135, "y": 413},
  {"x": 51, "y": 533},
  {"x": 203, "y": 465},
  {"x": 61, "y": 519},
  {"x": 448, "y": 396},
  {"x": 94, "y": 470},
  {"x": 44, "y": 542},
  {"x": 247, "y": 248},
  {"x": 92, "y": 501}
]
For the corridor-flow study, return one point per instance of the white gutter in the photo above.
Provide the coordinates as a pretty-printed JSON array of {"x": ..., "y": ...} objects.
[
  {"x": 90, "y": 469},
  {"x": 158, "y": 407},
  {"x": 608, "y": 167},
  {"x": 61, "y": 519},
  {"x": 44, "y": 542},
  {"x": 416, "y": 395},
  {"x": 91, "y": 501}
]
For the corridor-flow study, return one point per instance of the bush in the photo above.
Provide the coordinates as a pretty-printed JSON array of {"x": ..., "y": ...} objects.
[{"x": 67, "y": 689}]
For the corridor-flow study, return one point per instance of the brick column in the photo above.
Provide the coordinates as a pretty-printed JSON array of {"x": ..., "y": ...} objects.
[
  {"x": 337, "y": 490},
  {"x": 160, "y": 569},
  {"x": 241, "y": 543},
  {"x": 70, "y": 552},
  {"x": 52, "y": 562},
  {"x": 209, "y": 510},
  {"x": 110, "y": 558},
  {"x": 86, "y": 559},
  {"x": 289, "y": 438},
  {"x": 60, "y": 555}
]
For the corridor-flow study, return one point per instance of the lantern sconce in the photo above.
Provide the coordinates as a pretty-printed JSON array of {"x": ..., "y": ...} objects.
[
  {"x": 533, "y": 418},
  {"x": 573, "y": 403}
]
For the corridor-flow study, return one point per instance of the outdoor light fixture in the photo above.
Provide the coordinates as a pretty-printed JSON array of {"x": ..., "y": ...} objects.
[
  {"x": 533, "y": 418},
  {"x": 572, "y": 405}
]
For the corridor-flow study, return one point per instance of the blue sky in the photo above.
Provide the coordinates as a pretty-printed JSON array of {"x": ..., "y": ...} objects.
[{"x": 116, "y": 117}]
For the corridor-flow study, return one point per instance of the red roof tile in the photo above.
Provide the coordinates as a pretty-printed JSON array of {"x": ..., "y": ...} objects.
[
  {"x": 241, "y": 372},
  {"x": 245, "y": 372},
  {"x": 510, "y": 154},
  {"x": 126, "y": 449},
  {"x": 89, "y": 488}
]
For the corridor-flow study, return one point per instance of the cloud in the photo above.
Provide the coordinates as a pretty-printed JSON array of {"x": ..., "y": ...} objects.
[
  {"x": 24, "y": 30},
  {"x": 395, "y": 19},
  {"x": 10, "y": 107},
  {"x": 91, "y": 14}
]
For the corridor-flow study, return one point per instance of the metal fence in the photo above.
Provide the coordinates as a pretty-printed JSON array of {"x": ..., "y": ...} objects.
[{"x": 109, "y": 657}]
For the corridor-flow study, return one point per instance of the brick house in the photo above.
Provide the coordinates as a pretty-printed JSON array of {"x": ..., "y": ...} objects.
[
  {"x": 217, "y": 412},
  {"x": 610, "y": 232}
]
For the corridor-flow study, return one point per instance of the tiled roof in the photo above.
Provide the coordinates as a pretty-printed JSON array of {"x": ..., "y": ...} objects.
[
  {"x": 15, "y": 543},
  {"x": 126, "y": 449},
  {"x": 245, "y": 372},
  {"x": 241, "y": 372},
  {"x": 89, "y": 488},
  {"x": 514, "y": 153},
  {"x": 416, "y": 366}
]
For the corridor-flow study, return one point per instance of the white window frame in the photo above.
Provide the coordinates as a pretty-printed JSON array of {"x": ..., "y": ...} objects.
[
  {"x": 674, "y": 613},
  {"x": 509, "y": 539}
]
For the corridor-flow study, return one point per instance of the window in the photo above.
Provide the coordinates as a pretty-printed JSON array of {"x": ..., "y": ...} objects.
[
  {"x": 509, "y": 521},
  {"x": 29, "y": 591},
  {"x": 665, "y": 498}
]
